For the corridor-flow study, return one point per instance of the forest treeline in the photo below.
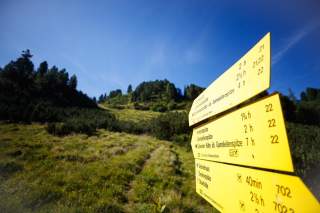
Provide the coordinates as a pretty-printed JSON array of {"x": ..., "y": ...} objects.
[
  {"x": 158, "y": 95},
  {"x": 48, "y": 95},
  {"x": 27, "y": 94},
  {"x": 149, "y": 91}
]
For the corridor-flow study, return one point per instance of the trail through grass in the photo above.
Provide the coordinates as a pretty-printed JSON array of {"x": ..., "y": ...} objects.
[{"x": 107, "y": 172}]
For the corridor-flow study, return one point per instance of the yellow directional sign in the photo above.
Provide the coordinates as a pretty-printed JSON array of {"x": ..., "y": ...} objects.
[
  {"x": 237, "y": 189},
  {"x": 254, "y": 135},
  {"x": 246, "y": 78}
]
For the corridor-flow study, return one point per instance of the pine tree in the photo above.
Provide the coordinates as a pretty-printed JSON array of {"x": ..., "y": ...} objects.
[
  {"x": 43, "y": 68},
  {"x": 129, "y": 90},
  {"x": 73, "y": 82}
]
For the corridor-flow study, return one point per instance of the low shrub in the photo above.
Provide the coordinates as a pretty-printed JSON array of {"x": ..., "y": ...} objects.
[
  {"x": 169, "y": 124},
  {"x": 159, "y": 107},
  {"x": 8, "y": 168},
  {"x": 138, "y": 106},
  {"x": 172, "y": 105},
  {"x": 181, "y": 138},
  {"x": 116, "y": 106},
  {"x": 59, "y": 129},
  {"x": 305, "y": 146},
  {"x": 182, "y": 105},
  {"x": 83, "y": 121},
  {"x": 118, "y": 100},
  {"x": 108, "y": 207},
  {"x": 133, "y": 127}
]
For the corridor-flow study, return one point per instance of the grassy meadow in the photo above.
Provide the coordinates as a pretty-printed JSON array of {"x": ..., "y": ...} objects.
[
  {"x": 133, "y": 115},
  {"x": 106, "y": 172}
]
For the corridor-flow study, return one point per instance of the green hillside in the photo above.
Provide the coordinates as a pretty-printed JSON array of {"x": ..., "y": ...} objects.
[
  {"x": 107, "y": 172},
  {"x": 133, "y": 115}
]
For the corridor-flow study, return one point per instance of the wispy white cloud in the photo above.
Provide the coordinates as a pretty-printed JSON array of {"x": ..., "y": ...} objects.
[
  {"x": 88, "y": 81},
  {"x": 194, "y": 53},
  {"x": 115, "y": 79},
  {"x": 294, "y": 39},
  {"x": 158, "y": 55},
  {"x": 155, "y": 59}
]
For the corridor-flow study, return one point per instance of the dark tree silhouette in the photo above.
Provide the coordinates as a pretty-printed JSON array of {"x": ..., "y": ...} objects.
[
  {"x": 115, "y": 93},
  {"x": 26, "y": 93},
  {"x": 129, "y": 90},
  {"x": 73, "y": 82},
  {"x": 43, "y": 68},
  {"x": 192, "y": 91}
]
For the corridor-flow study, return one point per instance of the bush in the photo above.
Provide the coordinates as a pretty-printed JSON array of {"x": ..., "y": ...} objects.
[
  {"x": 55, "y": 129},
  {"x": 172, "y": 105},
  {"x": 181, "y": 138},
  {"x": 167, "y": 125},
  {"x": 138, "y": 106},
  {"x": 115, "y": 106},
  {"x": 182, "y": 105},
  {"x": 159, "y": 107},
  {"x": 308, "y": 113},
  {"x": 62, "y": 129},
  {"x": 188, "y": 106},
  {"x": 83, "y": 121},
  {"x": 8, "y": 168},
  {"x": 118, "y": 100},
  {"x": 133, "y": 127},
  {"x": 305, "y": 146},
  {"x": 108, "y": 207}
]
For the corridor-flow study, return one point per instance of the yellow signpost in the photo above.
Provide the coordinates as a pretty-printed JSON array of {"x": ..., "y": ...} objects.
[
  {"x": 254, "y": 135},
  {"x": 246, "y": 78},
  {"x": 243, "y": 161},
  {"x": 237, "y": 189}
]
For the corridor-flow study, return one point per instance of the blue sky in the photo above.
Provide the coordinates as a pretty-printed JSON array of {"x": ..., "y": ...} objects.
[{"x": 110, "y": 44}]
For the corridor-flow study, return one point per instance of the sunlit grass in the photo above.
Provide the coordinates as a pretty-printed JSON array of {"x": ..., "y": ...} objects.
[
  {"x": 107, "y": 172},
  {"x": 132, "y": 114}
]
